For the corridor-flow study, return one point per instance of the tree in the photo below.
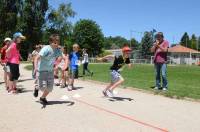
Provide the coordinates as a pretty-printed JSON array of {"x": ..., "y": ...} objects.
[
  {"x": 185, "y": 40},
  {"x": 107, "y": 43},
  {"x": 118, "y": 42},
  {"x": 193, "y": 42},
  {"x": 134, "y": 44},
  {"x": 8, "y": 17},
  {"x": 87, "y": 34},
  {"x": 34, "y": 19},
  {"x": 58, "y": 21},
  {"x": 198, "y": 48},
  {"x": 146, "y": 44}
]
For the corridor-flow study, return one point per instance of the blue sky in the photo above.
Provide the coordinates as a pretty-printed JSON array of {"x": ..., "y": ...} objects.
[{"x": 119, "y": 17}]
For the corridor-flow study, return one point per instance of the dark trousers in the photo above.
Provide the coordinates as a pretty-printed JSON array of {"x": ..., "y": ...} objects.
[{"x": 85, "y": 68}]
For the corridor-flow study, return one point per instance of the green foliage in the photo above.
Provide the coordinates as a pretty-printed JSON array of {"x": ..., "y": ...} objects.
[
  {"x": 185, "y": 40},
  {"x": 142, "y": 77},
  {"x": 198, "y": 46},
  {"x": 193, "y": 42},
  {"x": 58, "y": 21},
  {"x": 134, "y": 44},
  {"x": 146, "y": 44},
  {"x": 34, "y": 19},
  {"x": 8, "y": 17},
  {"x": 105, "y": 53},
  {"x": 26, "y": 16},
  {"x": 87, "y": 34},
  {"x": 118, "y": 42}
]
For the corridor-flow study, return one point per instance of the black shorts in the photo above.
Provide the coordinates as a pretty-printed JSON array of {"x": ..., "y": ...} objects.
[{"x": 14, "y": 71}]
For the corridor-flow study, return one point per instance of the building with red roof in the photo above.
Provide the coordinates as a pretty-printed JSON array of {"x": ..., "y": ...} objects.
[{"x": 182, "y": 55}]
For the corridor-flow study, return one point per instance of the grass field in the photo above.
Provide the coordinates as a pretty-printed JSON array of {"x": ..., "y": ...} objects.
[{"x": 184, "y": 81}]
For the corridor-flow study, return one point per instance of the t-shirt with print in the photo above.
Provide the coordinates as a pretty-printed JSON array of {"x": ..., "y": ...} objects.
[
  {"x": 119, "y": 62},
  {"x": 85, "y": 58},
  {"x": 74, "y": 58},
  {"x": 160, "y": 56},
  {"x": 14, "y": 55},
  {"x": 48, "y": 56}
]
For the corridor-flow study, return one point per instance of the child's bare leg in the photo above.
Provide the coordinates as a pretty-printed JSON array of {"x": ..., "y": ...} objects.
[
  {"x": 11, "y": 85},
  {"x": 63, "y": 78},
  {"x": 45, "y": 93},
  {"x": 6, "y": 79},
  {"x": 116, "y": 84},
  {"x": 109, "y": 86},
  {"x": 67, "y": 77}
]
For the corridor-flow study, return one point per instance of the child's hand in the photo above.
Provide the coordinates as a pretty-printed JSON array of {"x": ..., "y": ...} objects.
[
  {"x": 130, "y": 66},
  {"x": 99, "y": 59}
]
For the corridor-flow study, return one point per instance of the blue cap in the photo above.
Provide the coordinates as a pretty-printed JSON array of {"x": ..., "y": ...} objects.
[{"x": 18, "y": 34}]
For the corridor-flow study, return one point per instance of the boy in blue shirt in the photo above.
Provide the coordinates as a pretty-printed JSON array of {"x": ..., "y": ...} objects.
[
  {"x": 74, "y": 59},
  {"x": 44, "y": 66}
]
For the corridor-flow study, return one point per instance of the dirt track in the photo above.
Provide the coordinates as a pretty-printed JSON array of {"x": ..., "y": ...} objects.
[{"x": 86, "y": 110}]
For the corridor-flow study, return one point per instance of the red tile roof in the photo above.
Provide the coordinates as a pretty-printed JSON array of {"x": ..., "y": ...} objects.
[{"x": 181, "y": 49}]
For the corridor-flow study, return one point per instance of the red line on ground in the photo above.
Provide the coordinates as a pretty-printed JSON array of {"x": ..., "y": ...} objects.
[{"x": 123, "y": 116}]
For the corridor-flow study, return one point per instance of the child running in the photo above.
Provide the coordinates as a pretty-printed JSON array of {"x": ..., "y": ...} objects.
[
  {"x": 74, "y": 59},
  {"x": 44, "y": 66},
  {"x": 13, "y": 60},
  {"x": 3, "y": 61},
  {"x": 63, "y": 67},
  {"x": 116, "y": 78}
]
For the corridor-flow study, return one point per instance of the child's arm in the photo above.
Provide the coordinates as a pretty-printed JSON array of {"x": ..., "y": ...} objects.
[
  {"x": 36, "y": 60},
  {"x": 130, "y": 65},
  {"x": 106, "y": 57},
  {"x": 128, "y": 62}
]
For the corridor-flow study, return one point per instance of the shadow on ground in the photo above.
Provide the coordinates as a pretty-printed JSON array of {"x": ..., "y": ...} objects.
[
  {"x": 120, "y": 99},
  {"x": 70, "y": 103}
]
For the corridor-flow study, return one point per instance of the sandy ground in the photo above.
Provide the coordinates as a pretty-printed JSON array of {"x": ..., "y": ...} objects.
[{"x": 86, "y": 110}]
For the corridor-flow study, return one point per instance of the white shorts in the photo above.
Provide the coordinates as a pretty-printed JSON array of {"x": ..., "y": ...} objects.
[
  {"x": 115, "y": 76},
  {"x": 6, "y": 68}
]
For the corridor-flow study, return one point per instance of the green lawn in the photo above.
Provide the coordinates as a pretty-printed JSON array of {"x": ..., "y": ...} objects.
[{"x": 184, "y": 81}]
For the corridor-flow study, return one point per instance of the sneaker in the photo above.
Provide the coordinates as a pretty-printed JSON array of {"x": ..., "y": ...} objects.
[
  {"x": 35, "y": 94},
  {"x": 92, "y": 74},
  {"x": 156, "y": 88},
  {"x": 110, "y": 93},
  {"x": 70, "y": 88},
  {"x": 9, "y": 92},
  {"x": 164, "y": 89},
  {"x": 63, "y": 86},
  {"x": 57, "y": 84},
  {"x": 43, "y": 100},
  {"x": 104, "y": 93}
]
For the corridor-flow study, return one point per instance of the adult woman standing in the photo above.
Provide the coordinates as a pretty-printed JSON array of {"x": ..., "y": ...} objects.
[{"x": 13, "y": 57}]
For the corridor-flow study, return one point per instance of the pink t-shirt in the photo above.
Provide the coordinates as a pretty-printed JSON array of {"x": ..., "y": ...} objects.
[
  {"x": 160, "y": 56},
  {"x": 14, "y": 55}
]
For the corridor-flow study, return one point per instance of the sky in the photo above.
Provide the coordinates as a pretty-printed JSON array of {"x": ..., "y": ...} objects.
[{"x": 131, "y": 18}]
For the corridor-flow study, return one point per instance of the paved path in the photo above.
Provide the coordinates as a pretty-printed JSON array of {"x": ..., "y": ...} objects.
[{"x": 86, "y": 110}]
